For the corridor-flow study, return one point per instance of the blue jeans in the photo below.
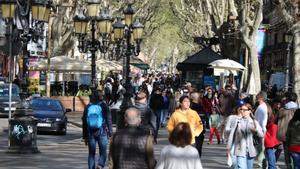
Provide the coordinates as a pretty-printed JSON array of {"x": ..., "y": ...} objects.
[
  {"x": 244, "y": 162},
  {"x": 233, "y": 157},
  {"x": 158, "y": 114},
  {"x": 296, "y": 160},
  {"x": 99, "y": 137},
  {"x": 163, "y": 116},
  {"x": 287, "y": 156},
  {"x": 271, "y": 158}
]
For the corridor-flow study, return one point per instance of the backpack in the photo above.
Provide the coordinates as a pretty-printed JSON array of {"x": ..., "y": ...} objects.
[{"x": 94, "y": 116}]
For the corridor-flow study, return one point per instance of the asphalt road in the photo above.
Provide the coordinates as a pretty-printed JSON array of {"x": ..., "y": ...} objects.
[{"x": 69, "y": 152}]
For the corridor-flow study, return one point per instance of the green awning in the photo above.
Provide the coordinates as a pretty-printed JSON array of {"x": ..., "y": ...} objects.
[
  {"x": 137, "y": 62},
  {"x": 143, "y": 66}
]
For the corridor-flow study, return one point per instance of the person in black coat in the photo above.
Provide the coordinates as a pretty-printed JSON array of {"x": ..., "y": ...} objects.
[
  {"x": 147, "y": 115},
  {"x": 195, "y": 105},
  {"x": 156, "y": 104}
]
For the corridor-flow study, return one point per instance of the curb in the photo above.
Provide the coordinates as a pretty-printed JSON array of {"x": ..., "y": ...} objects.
[{"x": 75, "y": 124}]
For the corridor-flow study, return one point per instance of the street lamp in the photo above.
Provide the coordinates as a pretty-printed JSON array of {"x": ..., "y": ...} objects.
[
  {"x": 30, "y": 26},
  {"x": 288, "y": 39},
  {"x": 19, "y": 11},
  {"x": 128, "y": 38},
  {"x": 40, "y": 10},
  {"x": 102, "y": 24}
]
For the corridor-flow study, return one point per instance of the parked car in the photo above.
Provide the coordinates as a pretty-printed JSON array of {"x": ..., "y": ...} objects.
[
  {"x": 51, "y": 115},
  {"x": 4, "y": 98}
]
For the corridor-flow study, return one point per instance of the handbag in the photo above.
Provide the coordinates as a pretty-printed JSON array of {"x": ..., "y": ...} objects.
[{"x": 256, "y": 140}]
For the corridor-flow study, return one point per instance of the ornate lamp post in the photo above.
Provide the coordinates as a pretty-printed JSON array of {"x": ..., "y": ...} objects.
[
  {"x": 30, "y": 27},
  {"x": 99, "y": 23},
  {"x": 288, "y": 39},
  {"x": 128, "y": 38}
]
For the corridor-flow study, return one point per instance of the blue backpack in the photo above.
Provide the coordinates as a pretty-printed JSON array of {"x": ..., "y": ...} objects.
[{"x": 94, "y": 116}]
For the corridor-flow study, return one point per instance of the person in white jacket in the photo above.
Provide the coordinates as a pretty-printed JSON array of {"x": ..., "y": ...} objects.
[
  {"x": 179, "y": 154},
  {"x": 261, "y": 115}
]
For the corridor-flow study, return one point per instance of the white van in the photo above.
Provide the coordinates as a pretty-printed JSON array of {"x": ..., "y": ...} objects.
[{"x": 4, "y": 98}]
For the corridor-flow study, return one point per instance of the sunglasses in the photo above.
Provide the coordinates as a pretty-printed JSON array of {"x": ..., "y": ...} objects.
[{"x": 244, "y": 109}]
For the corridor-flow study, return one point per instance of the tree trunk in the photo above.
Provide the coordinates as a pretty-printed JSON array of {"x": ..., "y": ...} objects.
[
  {"x": 296, "y": 66},
  {"x": 249, "y": 26},
  {"x": 255, "y": 67}
]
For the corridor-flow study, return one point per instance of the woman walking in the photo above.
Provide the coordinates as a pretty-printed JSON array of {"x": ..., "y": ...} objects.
[
  {"x": 242, "y": 138},
  {"x": 180, "y": 154},
  {"x": 185, "y": 114}
]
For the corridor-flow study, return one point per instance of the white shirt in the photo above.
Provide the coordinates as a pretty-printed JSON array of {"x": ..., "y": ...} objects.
[
  {"x": 261, "y": 115},
  {"x": 173, "y": 157}
]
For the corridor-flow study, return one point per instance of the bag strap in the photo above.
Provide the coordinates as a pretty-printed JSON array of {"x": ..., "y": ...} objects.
[{"x": 234, "y": 133}]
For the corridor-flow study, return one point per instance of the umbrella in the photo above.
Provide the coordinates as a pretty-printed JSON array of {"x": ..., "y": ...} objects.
[
  {"x": 226, "y": 64},
  {"x": 107, "y": 65},
  {"x": 62, "y": 64}
]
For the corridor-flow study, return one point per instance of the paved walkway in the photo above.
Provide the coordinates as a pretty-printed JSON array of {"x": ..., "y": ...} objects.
[{"x": 213, "y": 156}]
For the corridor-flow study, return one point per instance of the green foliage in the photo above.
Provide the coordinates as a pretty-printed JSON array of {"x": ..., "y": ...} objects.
[
  {"x": 163, "y": 30},
  {"x": 167, "y": 35}
]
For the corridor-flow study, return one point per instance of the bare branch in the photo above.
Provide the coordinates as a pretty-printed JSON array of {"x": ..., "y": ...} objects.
[{"x": 258, "y": 16}]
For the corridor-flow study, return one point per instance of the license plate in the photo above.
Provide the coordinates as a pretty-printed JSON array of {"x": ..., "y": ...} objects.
[
  {"x": 44, "y": 125},
  {"x": 12, "y": 108}
]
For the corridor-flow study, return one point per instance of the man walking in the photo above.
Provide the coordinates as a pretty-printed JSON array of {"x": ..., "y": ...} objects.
[
  {"x": 261, "y": 115},
  {"x": 156, "y": 104},
  {"x": 285, "y": 114},
  {"x": 226, "y": 105},
  {"x": 148, "y": 117},
  {"x": 96, "y": 128},
  {"x": 132, "y": 147}
]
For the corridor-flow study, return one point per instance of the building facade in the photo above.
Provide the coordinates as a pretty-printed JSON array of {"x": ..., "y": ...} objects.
[{"x": 276, "y": 55}]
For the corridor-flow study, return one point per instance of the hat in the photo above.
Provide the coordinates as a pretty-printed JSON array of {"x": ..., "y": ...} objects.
[{"x": 239, "y": 103}]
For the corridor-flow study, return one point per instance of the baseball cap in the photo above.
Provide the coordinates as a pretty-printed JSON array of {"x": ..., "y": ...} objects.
[{"x": 239, "y": 103}]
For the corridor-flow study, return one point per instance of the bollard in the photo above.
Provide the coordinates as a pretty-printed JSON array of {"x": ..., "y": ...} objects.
[{"x": 22, "y": 133}]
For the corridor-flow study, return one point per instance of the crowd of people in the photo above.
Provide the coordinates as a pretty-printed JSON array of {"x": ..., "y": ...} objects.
[{"x": 258, "y": 128}]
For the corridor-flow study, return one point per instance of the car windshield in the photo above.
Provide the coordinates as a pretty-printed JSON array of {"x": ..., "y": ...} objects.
[
  {"x": 4, "y": 90},
  {"x": 48, "y": 105}
]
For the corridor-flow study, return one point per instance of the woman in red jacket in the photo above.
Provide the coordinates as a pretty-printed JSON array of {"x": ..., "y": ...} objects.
[
  {"x": 208, "y": 103},
  {"x": 272, "y": 151}
]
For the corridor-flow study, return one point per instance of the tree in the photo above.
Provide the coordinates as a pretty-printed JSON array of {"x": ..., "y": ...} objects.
[
  {"x": 289, "y": 10},
  {"x": 214, "y": 22},
  {"x": 250, "y": 20}
]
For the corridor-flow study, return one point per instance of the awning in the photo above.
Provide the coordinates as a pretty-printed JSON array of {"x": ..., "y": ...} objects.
[
  {"x": 137, "y": 62},
  {"x": 199, "y": 60},
  {"x": 107, "y": 65},
  {"x": 61, "y": 64}
]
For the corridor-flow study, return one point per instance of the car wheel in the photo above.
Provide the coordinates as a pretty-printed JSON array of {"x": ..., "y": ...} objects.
[{"x": 63, "y": 131}]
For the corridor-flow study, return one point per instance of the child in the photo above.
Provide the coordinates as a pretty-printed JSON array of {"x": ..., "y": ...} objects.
[{"x": 214, "y": 122}]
